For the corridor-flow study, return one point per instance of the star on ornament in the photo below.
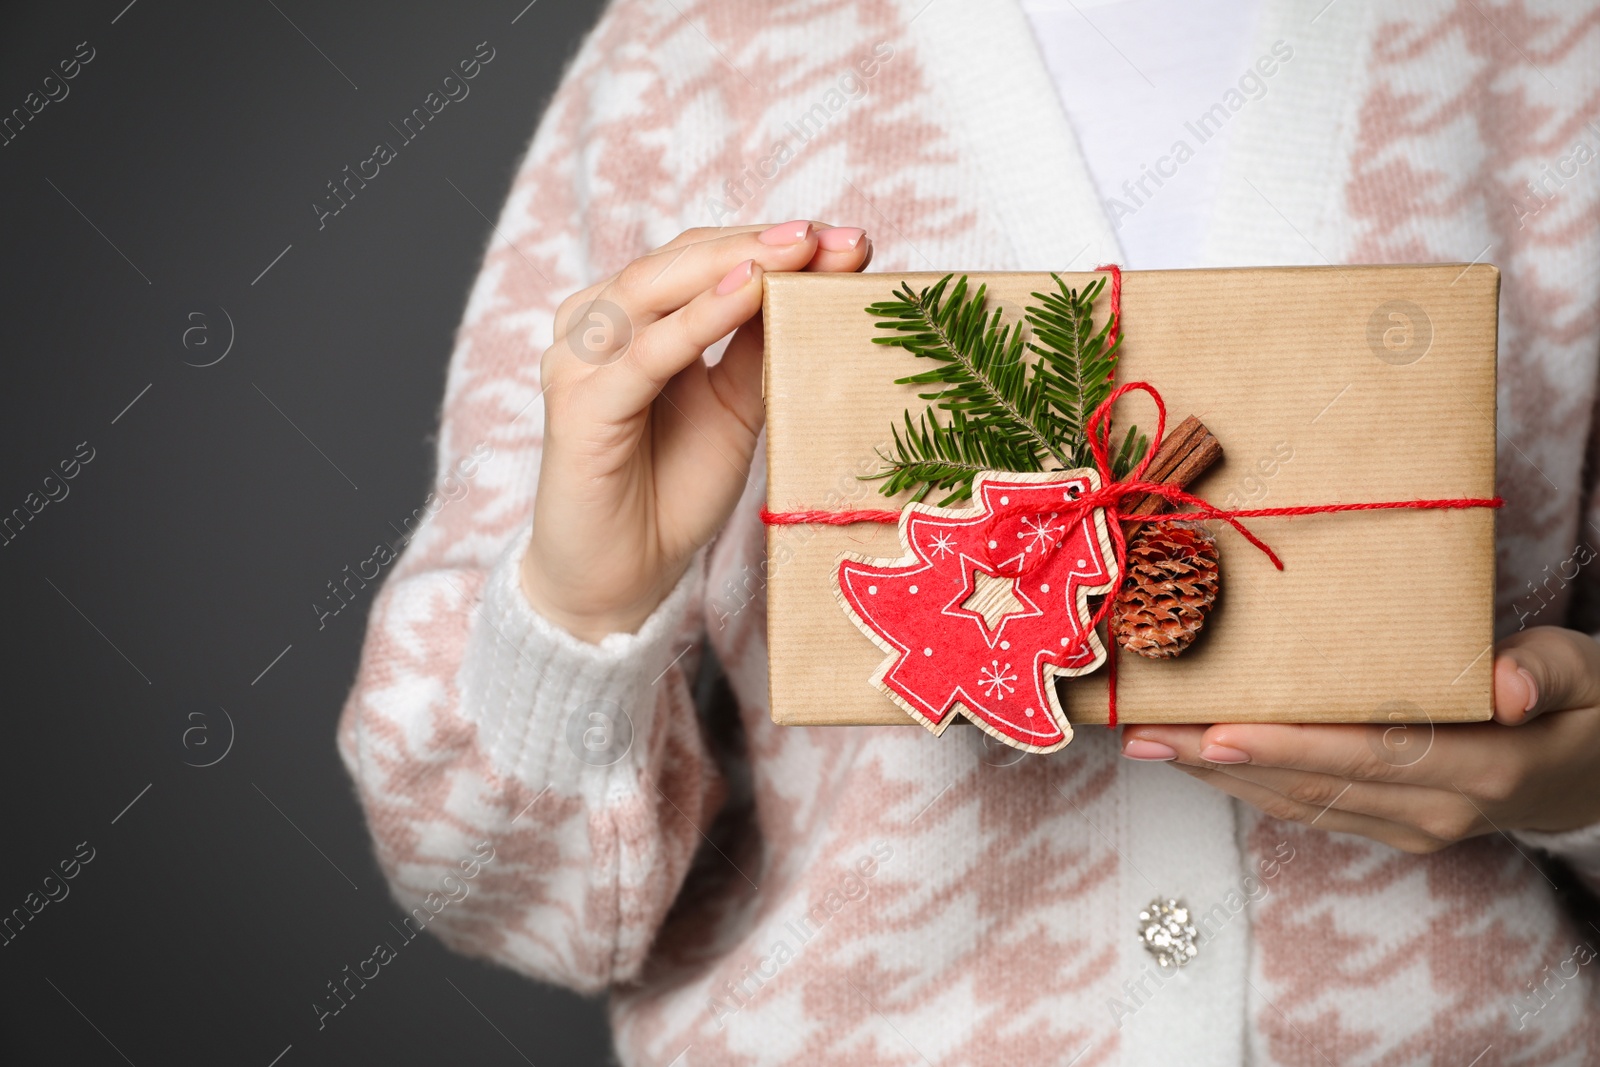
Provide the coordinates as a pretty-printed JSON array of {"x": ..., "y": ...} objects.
[{"x": 976, "y": 626}]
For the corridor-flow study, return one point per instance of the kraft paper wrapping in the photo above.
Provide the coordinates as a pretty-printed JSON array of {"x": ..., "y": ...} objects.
[{"x": 1323, "y": 384}]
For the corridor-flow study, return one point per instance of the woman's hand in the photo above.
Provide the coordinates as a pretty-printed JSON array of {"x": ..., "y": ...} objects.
[
  {"x": 647, "y": 447},
  {"x": 1421, "y": 787}
]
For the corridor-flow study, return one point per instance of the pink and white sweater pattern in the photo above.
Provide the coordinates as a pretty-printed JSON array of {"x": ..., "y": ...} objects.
[{"x": 880, "y": 896}]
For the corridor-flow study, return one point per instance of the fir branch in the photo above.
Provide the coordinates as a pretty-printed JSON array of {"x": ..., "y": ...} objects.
[
  {"x": 931, "y": 455},
  {"x": 1083, "y": 360},
  {"x": 1134, "y": 446},
  {"x": 1006, "y": 411},
  {"x": 981, "y": 364}
]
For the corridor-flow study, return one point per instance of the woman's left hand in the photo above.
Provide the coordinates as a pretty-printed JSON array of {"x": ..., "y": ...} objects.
[{"x": 1417, "y": 786}]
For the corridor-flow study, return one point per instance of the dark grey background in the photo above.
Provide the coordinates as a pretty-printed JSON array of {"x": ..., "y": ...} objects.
[{"x": 189, "y": 551}]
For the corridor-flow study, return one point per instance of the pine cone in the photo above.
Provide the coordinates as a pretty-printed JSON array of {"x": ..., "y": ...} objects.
[{"x": 1169, "y": 589}]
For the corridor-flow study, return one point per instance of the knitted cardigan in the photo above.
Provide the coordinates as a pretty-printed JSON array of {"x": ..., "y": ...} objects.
[{"x": 755, "y": 894}]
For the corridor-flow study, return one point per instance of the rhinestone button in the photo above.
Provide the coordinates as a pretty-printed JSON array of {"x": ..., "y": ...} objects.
[{"x": 1166, "y": 932}]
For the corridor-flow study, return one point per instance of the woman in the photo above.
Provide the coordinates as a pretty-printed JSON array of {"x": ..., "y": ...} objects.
[{"x": 749, "y": 893}]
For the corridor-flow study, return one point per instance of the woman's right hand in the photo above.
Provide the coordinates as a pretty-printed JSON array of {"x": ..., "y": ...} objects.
[{"x": 647, "y": 447}]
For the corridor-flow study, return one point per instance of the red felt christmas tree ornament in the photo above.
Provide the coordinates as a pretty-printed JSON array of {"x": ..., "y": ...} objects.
[{"x": 988, "y": 606}]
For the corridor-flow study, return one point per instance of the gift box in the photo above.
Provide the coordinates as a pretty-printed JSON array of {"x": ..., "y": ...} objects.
[{"x": 1333, "y": 385}]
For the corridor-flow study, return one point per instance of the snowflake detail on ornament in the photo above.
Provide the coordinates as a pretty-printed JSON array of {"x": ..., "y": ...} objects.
[
  {"x": 1040, "y": 532},
  {"x": 954, "y": 569},
  {"x": 996, "y": 680}
]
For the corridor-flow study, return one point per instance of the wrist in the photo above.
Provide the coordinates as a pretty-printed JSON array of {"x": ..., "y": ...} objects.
[{"x": 584, "y": 613}]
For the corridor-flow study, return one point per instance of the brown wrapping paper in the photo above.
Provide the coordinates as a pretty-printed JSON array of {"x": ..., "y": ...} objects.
[{"x": 1324, "y": 385}]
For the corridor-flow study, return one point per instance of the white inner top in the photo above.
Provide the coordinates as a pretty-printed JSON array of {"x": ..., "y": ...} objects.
[{"x": 1139, "y": 80}]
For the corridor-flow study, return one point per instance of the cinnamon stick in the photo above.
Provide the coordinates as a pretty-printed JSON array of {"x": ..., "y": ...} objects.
[{"x": 1185, "y": 453}]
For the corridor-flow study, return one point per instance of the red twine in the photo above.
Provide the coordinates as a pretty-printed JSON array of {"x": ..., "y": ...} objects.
[
  {"x": 1110, "y": 494},
  {"x": 1115, "y": 301}
]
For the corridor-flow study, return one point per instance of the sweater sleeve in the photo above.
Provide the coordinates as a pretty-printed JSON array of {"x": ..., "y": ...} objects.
[
  {"x": 533, "y": 799},
  {"x": 1578, "y": 849}
]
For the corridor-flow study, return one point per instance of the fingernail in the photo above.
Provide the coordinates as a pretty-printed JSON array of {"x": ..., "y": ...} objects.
[
  {"x": 1223, "y": 754},
  {"x": 840, "y": 238},
  {"x": 786, "y": 233},
  {"x": 1533, "y": 688},
  {"x": 735, "y": 279},
  {"x": 1139, "y": 748}
]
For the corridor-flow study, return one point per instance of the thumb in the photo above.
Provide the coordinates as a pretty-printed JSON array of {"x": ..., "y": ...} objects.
[
  {"x": 1544, "y": 669},
  {"x": 736, "y": 376}
]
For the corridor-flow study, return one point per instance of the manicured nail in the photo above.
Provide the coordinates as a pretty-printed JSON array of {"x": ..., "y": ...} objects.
[
  {"x": 736, "y": 278},
  {"x": 1223, "y": 754},
  {"x": 840, "y": 238},
  {"x": 786, "y": 233},
  {"x": 1533, "y": 688},
  {"x": 1139, "y": 748}
]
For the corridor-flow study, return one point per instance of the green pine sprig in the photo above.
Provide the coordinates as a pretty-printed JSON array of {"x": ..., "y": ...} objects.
[{"x": 1004, "y": 411}]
